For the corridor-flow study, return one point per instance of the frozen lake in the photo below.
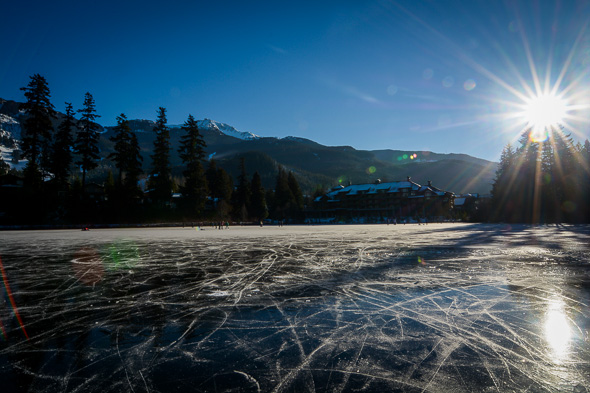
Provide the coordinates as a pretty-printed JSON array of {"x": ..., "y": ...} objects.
[{"x": 372, "y": 308}]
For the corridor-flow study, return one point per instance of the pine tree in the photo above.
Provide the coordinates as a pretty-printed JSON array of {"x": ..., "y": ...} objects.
[
  {"x": 86, "y": 145},
  {"x": 549, "y": 202},
  {"x": 258, "y": 199},
  {"x": 225, "y": 185},
  {"x": 526, "y": 197},
  {"x": 192, "y": 152},
  {"x": 501, "y": 189},
  {"x": 127, "y": 156},
  {"x": 585, "y": 178},
  {"x": 36, "y": 139},
  {"x": 161, "y": 177},
  {"x": 566, "y": 186},
  {"x": 4, "y": 167},
  {"x": 242, "y": 195},
  {"x": 283, "y": 196},
  {"x": 134, "y": 169},
  {"x": 297, "y": 195},
  {"x": 212, "y": 180},
  {"x": 62, "y": 148}
]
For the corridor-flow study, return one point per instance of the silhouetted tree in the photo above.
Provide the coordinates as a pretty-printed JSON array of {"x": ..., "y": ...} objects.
[
  {"x": 549, "y": 202},
  {"x": 62, "y": 148},
  {"x": 161, "y": 179},
  {"x": 37, "y": 127},
  {"x": 4, "y": 167},
  {"x": 502, "y": 205},
  {"x": 258, "y": 200},
  {"x": 543, "y": 181},
  {"x": 127, "y": 157},
  {"x": 211, "y": 175},
  {"x": 242, "y": 194},
  {"x": 86, "y": 144},
  {"x": 297, "y": 202},
  {"x": 585, "y": 178},
  {"x": 283, "y": 196},
  {"x": 192, "y": 152}
]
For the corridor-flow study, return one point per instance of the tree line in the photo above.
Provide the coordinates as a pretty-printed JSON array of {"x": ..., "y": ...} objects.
[
  {"x": 55, "y": 187},
  {"x": 543, "y": 180}
]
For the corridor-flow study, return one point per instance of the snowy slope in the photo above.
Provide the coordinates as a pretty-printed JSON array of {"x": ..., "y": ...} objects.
[
  {"x": 226, "y": 129},
  {"x": 9, "y": 125}
]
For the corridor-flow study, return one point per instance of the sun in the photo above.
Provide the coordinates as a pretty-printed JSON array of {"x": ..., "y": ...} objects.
[{"x": 543, "y": 113}]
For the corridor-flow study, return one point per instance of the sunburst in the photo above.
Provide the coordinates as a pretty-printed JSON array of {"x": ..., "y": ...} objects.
[{"x": 544, "y": 112}]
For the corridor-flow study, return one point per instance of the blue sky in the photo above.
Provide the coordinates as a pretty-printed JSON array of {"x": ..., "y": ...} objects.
[{"x": 445, "y": 76}]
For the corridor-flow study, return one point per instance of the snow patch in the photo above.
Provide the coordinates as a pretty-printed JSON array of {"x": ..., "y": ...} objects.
[{"x": 226, "y": 129}]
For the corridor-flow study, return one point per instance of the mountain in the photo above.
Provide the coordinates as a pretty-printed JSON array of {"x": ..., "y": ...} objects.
[
  {"x": 225, "y": 129},
  {"x": 313, "y": 163}
]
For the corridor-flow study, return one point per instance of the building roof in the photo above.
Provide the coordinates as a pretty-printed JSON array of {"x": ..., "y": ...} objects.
[{"x": 389, "y": 187}]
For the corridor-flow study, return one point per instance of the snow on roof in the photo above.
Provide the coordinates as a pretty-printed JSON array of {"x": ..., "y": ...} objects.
[
  {"x": 370, "y": 188},
  {"x": 459, "y": 201}
]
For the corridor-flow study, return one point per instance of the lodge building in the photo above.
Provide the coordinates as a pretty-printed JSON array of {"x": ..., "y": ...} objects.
[{"x": 381, "y": 201}]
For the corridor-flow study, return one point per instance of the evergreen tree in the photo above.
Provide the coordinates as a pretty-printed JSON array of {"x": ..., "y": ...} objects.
[
  {"x": 62, "y": 148},
  {"x": 86, "y": 144},
  {"x": 36, "y": 138},
  {"x": 225, "y": 185},
  {"x": 224, "y": 191},
  {"x": 566, "y": 186},
  {"x": 283, "y": 196},
  {"x": 258, "y": 199},
  {"x": 161, "y": 177},
  {"x": 212, "y": 180},
  {"x": 109, "y": 187},
  {"x": 192, "y": 152},
  {"x": 543, "y": 181},
  {"x": 241, "y": 197},
  {"x": 127, "y": 157},
  {"x": 297, "y": 209},
  {"x": 585, "y": 178},
  {"x": 549, "y": 202},
  {"x": 525, "y": 195},
  {"x": 134, "y": 169},
  {"x": 501, "y": 189},
  {"x": 4, "y": 167}
]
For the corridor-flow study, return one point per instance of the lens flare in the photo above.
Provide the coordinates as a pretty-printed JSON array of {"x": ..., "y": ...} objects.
[
  {"x": 12, "y": 303},
  {"x": 2, "y": 331},
  {"x": 469, "y": 84},
  {"x": 122, "y": 255},
  {"x": 448, "y": 81},
  {"x": 427, "y": 73},
  {"x": 87, "y": 266}
]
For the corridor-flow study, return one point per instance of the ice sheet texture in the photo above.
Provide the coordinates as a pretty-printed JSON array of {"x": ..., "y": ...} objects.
[{"x": 429, "y": 308}]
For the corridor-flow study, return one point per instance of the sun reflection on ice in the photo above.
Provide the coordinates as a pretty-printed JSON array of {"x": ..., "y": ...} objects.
[{"x": 557, "y": 330}]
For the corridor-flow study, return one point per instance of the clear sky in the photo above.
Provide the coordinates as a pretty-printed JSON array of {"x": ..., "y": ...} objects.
[{"x": 446, "y": 76}]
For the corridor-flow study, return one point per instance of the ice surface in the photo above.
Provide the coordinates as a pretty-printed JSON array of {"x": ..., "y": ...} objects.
[{"x": 373, "y": 308}]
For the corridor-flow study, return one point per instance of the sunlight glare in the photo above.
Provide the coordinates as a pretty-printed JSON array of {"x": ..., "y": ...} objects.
[
  {"x": 544, "y": 112},
  {"x": 557, "y": 330}
]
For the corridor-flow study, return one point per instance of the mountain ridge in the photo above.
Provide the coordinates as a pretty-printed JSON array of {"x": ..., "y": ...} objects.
[{"x": 318, "y": 165}]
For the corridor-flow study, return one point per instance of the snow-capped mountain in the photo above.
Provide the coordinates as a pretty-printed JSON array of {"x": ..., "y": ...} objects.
[
  {"x": 226, "y": 129},
  {"x": 9, "y": 126}
]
